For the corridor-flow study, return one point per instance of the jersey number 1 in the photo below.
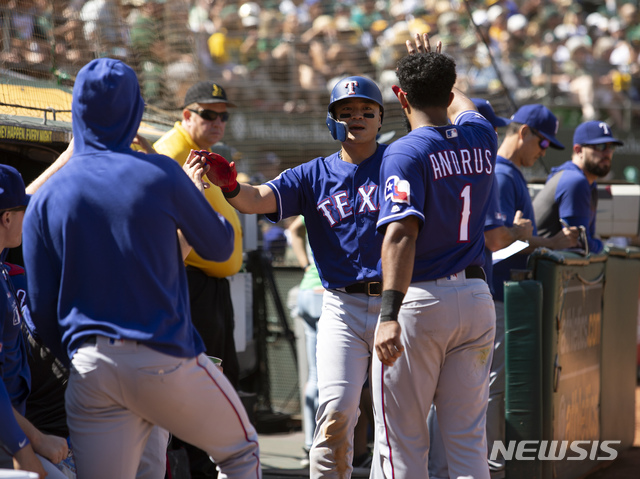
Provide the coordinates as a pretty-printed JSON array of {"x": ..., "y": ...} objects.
[{"x": 463, "y": 232}]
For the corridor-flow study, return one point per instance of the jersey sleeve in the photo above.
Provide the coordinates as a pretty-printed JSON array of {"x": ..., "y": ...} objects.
[
  {"x": 507, "y": 194},
  {"x": 574, "y": 200},
  {"x": 12, "y": 438},
  {"x": 574, "y": 207},
  {"x": 287, "y": 188},
  {"x": 199, "y": 222},
  {"x": 494, "y": 218},
  {"x": 399, "y": 197}
]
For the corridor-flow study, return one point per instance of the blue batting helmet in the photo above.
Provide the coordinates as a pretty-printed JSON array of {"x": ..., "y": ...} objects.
[{"x": 351, "y": 87}]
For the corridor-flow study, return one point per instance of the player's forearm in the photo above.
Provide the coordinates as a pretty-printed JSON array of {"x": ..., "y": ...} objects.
[
  {"x": 498, "y": 238},
  {"x": 53, "y": 168},
  {"x": 53, "y": 448},
  {"x": 254, "y": 200},
  {"x": 29, "y": 429},
  {"x": 398, "y": 251}
]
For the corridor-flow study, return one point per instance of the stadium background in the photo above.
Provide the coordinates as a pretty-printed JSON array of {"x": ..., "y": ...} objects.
[{"x": 278, "y": 61}]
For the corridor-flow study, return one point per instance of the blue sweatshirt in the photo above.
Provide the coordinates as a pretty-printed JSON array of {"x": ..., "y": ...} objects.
[{"x": 100, "y": 244}]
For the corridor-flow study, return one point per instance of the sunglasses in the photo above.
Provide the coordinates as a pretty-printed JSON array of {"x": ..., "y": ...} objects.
[
  {"x": 544, "y": 143},
  {"x": 210, "y": 115},
  {"x": 603, "y": 146}
]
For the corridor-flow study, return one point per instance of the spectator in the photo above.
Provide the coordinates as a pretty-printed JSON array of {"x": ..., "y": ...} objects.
[
  {"x": 570, "y": 195},
  {"x": 150, "y": 49},
  {"x": 133, "y": 332}
]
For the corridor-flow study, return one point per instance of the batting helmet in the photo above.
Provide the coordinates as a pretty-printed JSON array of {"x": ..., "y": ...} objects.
[{"x": 351, "y": 87}]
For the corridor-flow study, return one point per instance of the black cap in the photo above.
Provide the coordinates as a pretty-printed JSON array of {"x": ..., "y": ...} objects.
[{"x": 206, "y": 92}]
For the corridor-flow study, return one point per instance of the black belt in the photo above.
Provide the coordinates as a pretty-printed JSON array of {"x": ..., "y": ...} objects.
[
  {"x": 374, "y": 288},
  {"x": 475, "y": 272}
]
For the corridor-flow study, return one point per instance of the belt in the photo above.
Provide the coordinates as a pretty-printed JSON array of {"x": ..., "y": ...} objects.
[
  {"x": 93, "y": 340},
  {"x": 372, "y": 288},
  {"x": 475, "y": 272}
]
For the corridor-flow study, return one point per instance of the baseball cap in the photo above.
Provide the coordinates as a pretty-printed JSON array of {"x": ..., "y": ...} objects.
[
  {"x": 206, "y": 92},
  {"x": 540, "y": 118},
  {"x": 593, "y": 133},
  {"x": 12, "y": 189},
  {"x": 486, "y": 110}
]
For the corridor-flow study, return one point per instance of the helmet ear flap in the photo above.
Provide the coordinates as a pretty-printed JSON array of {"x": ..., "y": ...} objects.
[{"x": 337, "y": 128}]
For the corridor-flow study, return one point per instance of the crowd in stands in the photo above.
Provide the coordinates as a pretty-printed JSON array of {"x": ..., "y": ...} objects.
[{"x": 283, "y": 54}]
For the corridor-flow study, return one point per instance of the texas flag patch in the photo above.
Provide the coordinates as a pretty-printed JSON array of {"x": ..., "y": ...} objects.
[{"x": 397, "y": 190}]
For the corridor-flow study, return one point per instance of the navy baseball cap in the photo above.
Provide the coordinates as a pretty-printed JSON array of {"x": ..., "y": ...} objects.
[
  {"x": 486, "y": 110},
  {"x": 594, "y": 133},
  {"x": 12, "y": 189},
  {"x": 206, "y": 92},
  {"x": 540, "y": 118}
]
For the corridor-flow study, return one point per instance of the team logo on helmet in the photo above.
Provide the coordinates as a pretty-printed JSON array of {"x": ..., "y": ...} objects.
[
  {"x": 351, "y": 87},
  {"x": 397, "y": 190}
]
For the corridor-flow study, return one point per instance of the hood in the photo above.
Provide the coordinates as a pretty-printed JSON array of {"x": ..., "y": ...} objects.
[{"x": 106, "y": 107}]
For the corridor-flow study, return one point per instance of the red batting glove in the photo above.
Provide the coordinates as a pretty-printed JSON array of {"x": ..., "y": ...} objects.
[{"x": 221, "y": 173}]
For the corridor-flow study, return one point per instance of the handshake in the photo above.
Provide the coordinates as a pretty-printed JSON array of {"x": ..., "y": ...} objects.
[{"x": 221, "y": 173}]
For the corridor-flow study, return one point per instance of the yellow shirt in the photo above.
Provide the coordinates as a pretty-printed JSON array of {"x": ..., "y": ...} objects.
[{"x": 177, "y": 143}]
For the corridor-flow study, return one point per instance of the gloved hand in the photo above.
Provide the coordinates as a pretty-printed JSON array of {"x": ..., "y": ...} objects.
[{"x": 221, "y": 173}]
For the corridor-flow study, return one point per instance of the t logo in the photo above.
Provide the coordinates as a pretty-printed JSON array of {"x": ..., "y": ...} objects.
[
  {"x": 217, "y": 91},
  {"x": 351, "y": 87},
  {"x": 604, "y": 127}
]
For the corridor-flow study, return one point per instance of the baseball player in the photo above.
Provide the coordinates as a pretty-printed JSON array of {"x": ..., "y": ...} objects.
[
  {"x": 531, "y": 131},
  {"x": 496, "y": 237},
  {"x": 107, "y": 287},
  {"x": 436, "y": 328},
  {"x": 338, "y": 197},
  {"x": 571, "y": 192}
]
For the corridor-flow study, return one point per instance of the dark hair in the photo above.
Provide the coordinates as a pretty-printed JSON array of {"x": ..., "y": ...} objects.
[{"x": 427, "y": 78}]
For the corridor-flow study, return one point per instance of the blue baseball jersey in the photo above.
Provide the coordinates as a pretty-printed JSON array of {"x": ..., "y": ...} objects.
[
  {"x": 443, "y": 176},
  {"x": 495, "y": 219},
  {"x": 567, "y": 194},
  {"x": 339, "y": 202},
  {"x": 15, "y": 377},
  {"x": 514, "y": 195}
]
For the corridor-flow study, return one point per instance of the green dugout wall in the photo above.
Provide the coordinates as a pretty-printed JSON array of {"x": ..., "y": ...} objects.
[{"x": 570, "y": 346}]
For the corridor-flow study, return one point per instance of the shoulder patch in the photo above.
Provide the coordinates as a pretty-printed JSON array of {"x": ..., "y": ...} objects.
[{"x": 397, "y": 190}]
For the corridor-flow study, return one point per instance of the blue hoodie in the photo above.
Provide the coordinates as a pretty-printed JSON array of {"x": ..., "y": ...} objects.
[{"x": 100, "y": 244}]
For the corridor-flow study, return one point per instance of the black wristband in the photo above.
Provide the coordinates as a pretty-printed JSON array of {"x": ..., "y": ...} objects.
[
  {"x": 232, "y": 194},
  {"x": 390, "y": 307}
]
